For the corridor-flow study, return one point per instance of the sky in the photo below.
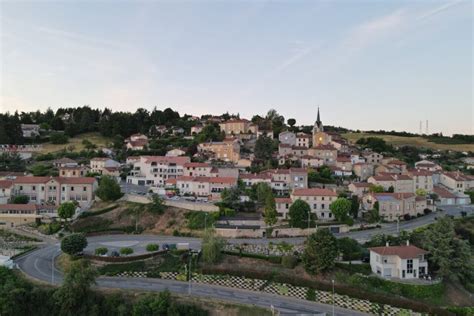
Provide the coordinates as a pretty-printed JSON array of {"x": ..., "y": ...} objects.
[{"x": 366, "y": 64}]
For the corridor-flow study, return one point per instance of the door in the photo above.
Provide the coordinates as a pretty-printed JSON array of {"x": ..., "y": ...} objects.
[{"x": 387, "y": 272}]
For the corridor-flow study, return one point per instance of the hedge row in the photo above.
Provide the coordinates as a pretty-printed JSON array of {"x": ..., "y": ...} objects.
[
  {"x": 127, "y": 258},
  {"x": 327, "y": 286},
  {"x": 272, "y": 259},
  {"x": 99, "y": 212}
]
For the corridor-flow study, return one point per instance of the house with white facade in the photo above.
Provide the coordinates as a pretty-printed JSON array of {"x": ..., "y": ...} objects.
[
  {"x": 401, "y": 262},
  {"x": 155, "y": 170},
  {"x": 319, "y": 201}
]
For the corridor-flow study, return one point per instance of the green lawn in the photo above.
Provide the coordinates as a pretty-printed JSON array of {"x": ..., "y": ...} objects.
[{"x": 95, "y": 138}]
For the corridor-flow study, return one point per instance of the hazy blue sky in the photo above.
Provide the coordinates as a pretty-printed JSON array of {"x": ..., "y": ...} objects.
[{"x": 368, "y": 64}]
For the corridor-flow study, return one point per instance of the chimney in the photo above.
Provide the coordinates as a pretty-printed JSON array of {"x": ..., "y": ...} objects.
[
  {"x": 386, "y": 244},
  {"x": 408, "y": 243}
]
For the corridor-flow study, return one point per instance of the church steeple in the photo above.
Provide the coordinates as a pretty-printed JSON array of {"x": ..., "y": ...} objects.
[{"x": 318, "y": 125}]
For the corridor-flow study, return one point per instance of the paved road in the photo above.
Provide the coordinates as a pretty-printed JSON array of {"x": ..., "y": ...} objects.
[{"x": 39, "y": 265}]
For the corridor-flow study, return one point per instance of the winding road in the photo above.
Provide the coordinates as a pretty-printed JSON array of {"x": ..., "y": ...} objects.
[{"x": 39, "y": 265}]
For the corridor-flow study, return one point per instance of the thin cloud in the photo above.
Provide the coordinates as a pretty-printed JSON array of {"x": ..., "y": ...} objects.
[{"x": 439, "y": 10}]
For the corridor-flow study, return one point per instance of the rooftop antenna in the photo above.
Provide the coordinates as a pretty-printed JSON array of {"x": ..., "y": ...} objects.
[
  {"x": 421, "y": 127},
  {"x": 426, "y": 127}
]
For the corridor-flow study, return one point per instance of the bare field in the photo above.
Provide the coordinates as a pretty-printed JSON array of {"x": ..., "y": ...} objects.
[
  {"x": 95, "y": 138},
  {"x": 409, "y": 141}
]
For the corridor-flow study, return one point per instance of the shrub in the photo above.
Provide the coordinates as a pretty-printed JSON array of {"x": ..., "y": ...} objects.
[
  {"x": 126, "y": 251},
  {"x": 98, "y": 212},
  {"x": 101, "y": 251},
  {"x": 21, "y": 199},
  {"x": 199, "y": 220},
  {"x": 116, "y": 268},
  {"x": 311, "y": 294},
  {"x": 289, "y": 261},
  {"x": 426, "y": 211},
  {"x": 73, "y": 244},
  {"x": 58, "y": 138},
  {"x": 274, "y": 259},
  {"x": 152, "y": 247}
]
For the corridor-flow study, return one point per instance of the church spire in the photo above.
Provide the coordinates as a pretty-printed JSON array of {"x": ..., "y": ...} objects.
[
  {"x": 318, "y": 120},
  {"x": 318, "y": 125}
]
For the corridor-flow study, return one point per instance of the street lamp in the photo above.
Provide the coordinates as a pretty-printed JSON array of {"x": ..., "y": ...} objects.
[{"x": 332, "y": 297}]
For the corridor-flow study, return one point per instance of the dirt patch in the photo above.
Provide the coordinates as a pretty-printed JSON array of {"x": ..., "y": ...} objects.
[{"x": 457, "y": 295}]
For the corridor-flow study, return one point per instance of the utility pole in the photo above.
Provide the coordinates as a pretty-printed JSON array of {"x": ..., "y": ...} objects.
[{"x": 333, "y": 297}]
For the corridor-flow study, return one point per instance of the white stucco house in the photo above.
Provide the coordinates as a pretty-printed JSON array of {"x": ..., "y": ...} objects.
[{"x": 402, "y": 262}]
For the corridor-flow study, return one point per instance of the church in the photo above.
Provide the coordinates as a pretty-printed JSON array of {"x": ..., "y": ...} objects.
[{"x": 319, "y": 136}]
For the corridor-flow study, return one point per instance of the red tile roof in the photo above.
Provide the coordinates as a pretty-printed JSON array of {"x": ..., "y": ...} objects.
[
  {"x": 4, "y": 184},
  {"x": 403, "y": 252},
  {"x": 167, "y": 160},
  {"x": 283, "y": 200},
  {"x": 443, "y": 193},
  {"x": 325, "y": 147},
  {"x": 313, "y": 192},
  {"x": 65, "y": 180},
  {"x": 396, "y": 162},
  {"x": 361, "y": 184},
  {"x": 18, "y": 207}
]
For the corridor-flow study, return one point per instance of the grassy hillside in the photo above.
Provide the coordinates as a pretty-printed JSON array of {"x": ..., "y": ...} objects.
[
  {"x": 95, "y": 138},
  {"x": 409, "y": 141}
]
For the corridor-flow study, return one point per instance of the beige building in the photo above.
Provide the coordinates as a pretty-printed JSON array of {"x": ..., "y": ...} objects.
[
  {"x": 456, "y": 181},
  {"x": 310, "y": 161},
  {"x": 12, "y": 215},
  {"x": 227, "y": 150},
  {"x": 427, "y": 165},
  {"x": 73, "y": 171},
  {"x": 394, "y": 205},
  {"x": 103, "y": 165},
  {"x": 423, "y": 179},
  {"x": 136, "y": 142},
  {"x": 238, "y": 126},
  {"x": 56, "y": 190},
  {"x": 363, "y": 170},
  {"x": 319, "y": 201},
  {"x": 197, "y": 169},
  {"x": 325, "y": 152},
  {"x": 288, "y": 138},
  {"x": 285, "y": 180},
  {"x": 359, "y": 188},
  {"x": 400, "y": 183},
  {"x": 303, "y": 140},
  {"x": 156, "y": 170},
  {"x": 6, "y": 187},
  {"x": 372, "y": 157},
  {"x": 209, "y": 187}
]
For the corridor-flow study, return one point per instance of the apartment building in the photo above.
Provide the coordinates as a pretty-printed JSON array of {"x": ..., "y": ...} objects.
[
  {"x": 310, "y": 161},
  {"x": 319, "y": 201},
  {"x": 250, "y": 179},
  {"x": 285, "y": 180},
  {"x": 155, "y": 170},
  {"x": 285, "y": 150},
  {"x": 136, "y": 142},
  {"x": 210, "y": 187},
  {"x": 197, "y": 169},
  {"x": 427, "y": 165},
  {"x": 359, "y": 188},
  {"x": 56, "y": 190},
  {"x": 227, "y": 150},
  {"x": 103, "y": 165}
]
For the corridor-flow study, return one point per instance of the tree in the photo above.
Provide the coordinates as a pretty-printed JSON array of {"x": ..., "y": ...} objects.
[
  {"x": 75, "y": 296},
  {"x": 231, "y": 197},
  {"x": 374, "y": 188},
  {"x": 109, "y": 189},
  {"x": 291, "y": 122},
  {"x": 421, "y": 192},
  {"x": 88, "y": 144},
  {"x": 211, "y": 247},
  {"x": 67, "y": 210},
  {"x": 299, "y": 212},
  {"x": 58, "y": 138},
  {"x": 391, "y": 189},
  {"x": 73, "y": 244},
  {"x": 349, "y": 248},
  {"x": 157, "y": 205},
  {"x": 355, "y": 206},
  {"x": 320, "y": 251},
  {"x": 270, "y": 210},
  {"x": 451, "y": 255},
  {"x": 340, "y": 208},
  {"x": 21, "y": 199},
  {"x": 264, "y": 148}
]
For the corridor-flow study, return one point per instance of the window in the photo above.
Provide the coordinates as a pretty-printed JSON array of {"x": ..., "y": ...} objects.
[
  {"x": 410, "y": 266},
  {"x": 63, "y": 189},
  {"x": 72, "y": 188},
  {"x": 33, "y": 188},
  {"x": 84, "y": 189}
]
